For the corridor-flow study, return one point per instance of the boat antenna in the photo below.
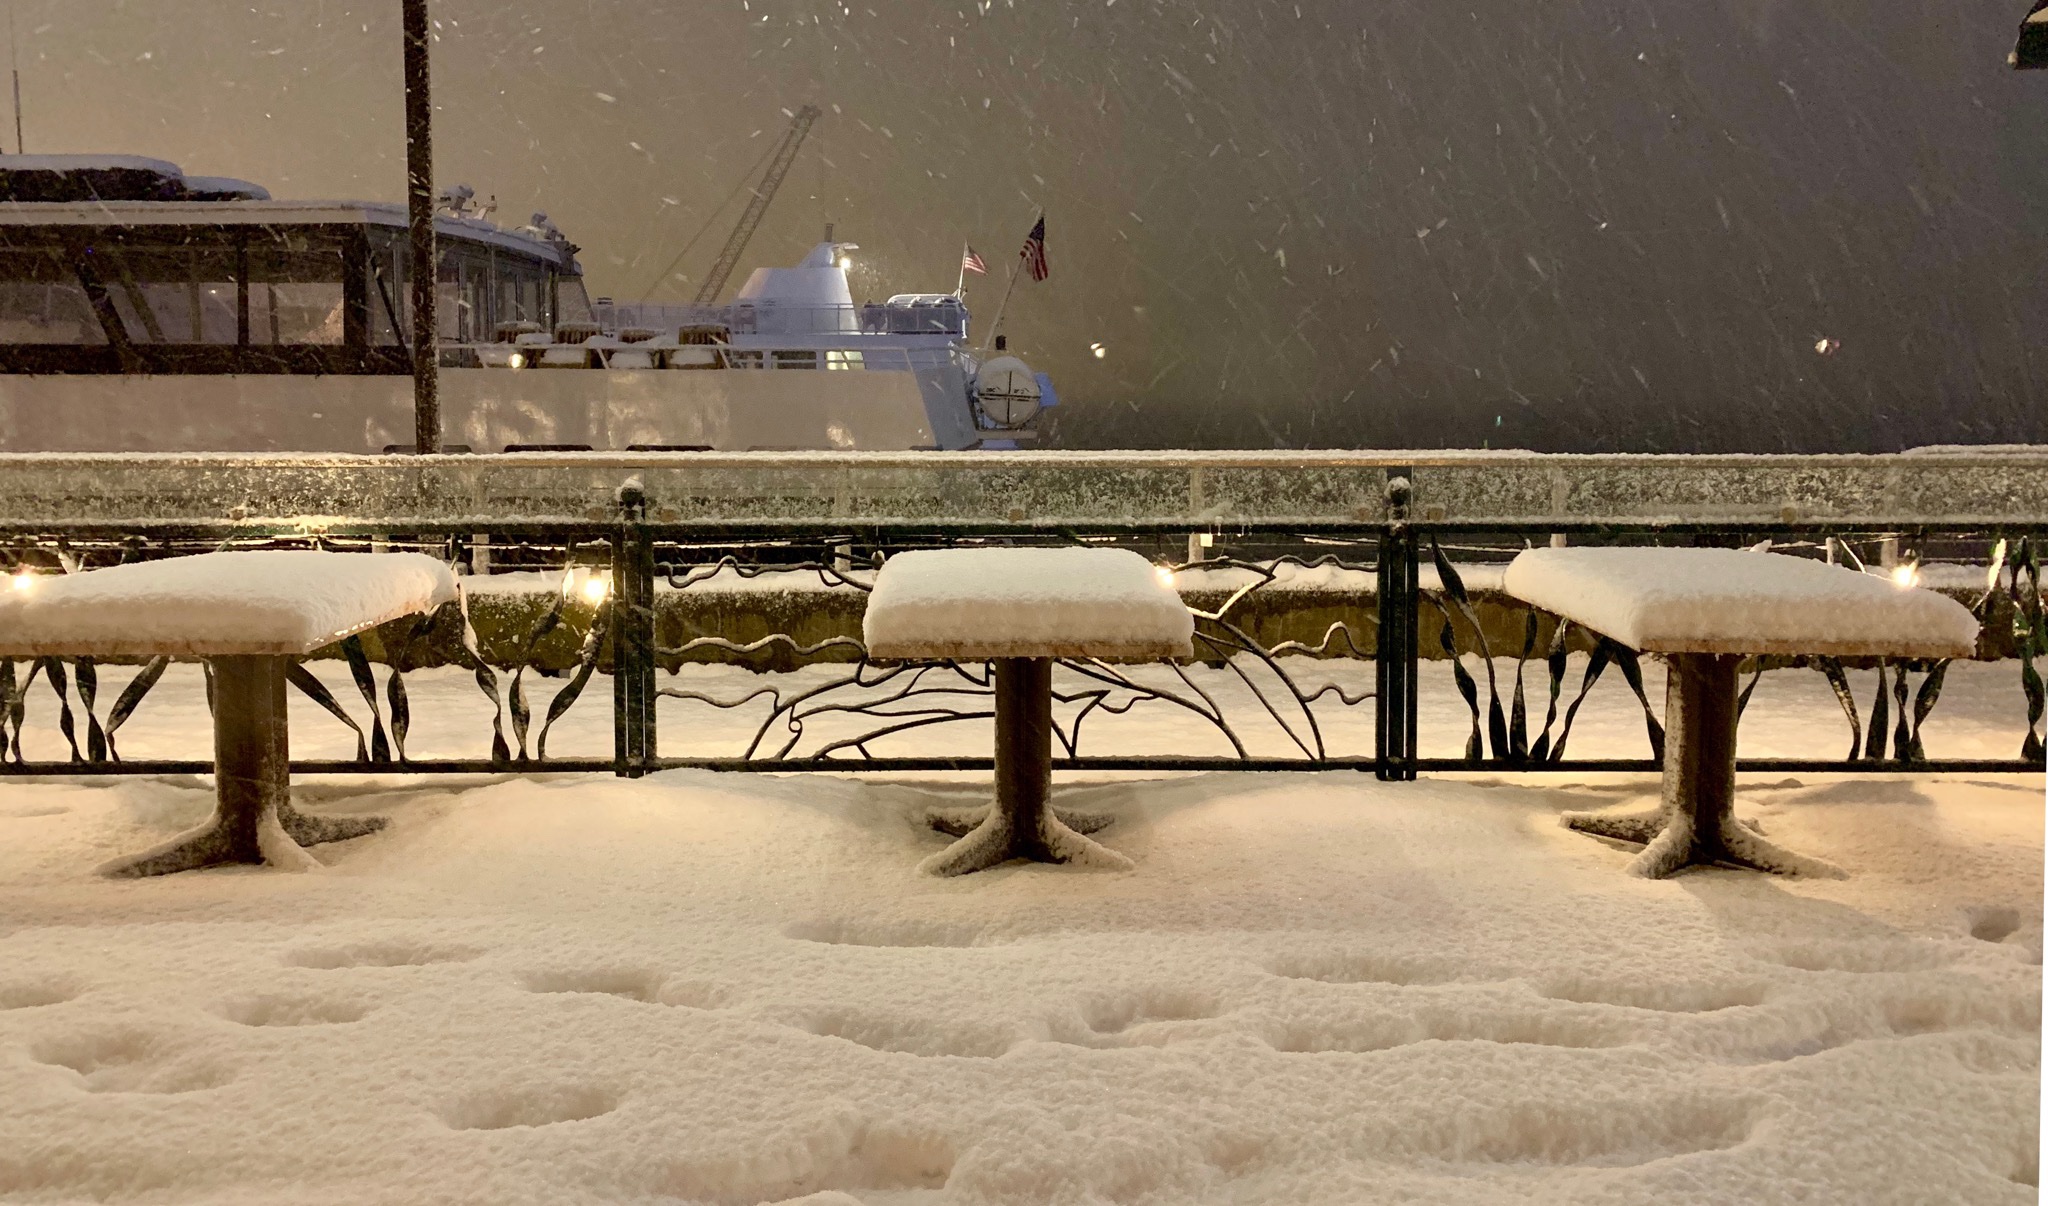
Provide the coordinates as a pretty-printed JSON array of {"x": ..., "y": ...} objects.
[{"x": 14, "y": 59}]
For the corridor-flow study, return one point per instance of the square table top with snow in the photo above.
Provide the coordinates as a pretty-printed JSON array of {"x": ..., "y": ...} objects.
[
  {"x": 272, "y": 602},
  {"x": 991, "y": 603},
  {"x": 1692, "y": 600}
]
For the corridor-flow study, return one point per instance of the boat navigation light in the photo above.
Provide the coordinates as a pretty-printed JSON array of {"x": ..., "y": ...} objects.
[
  {"x": 1165, "y": 574},
  {"x": 845, "y": 262},
  {"x": 1099, "y": 350},
  {"x": 1905, "y": 575},
  {"x": 595, "y": 588},
  {"x": 516, "y": 360},
  {"x": 24, "y": 578}
]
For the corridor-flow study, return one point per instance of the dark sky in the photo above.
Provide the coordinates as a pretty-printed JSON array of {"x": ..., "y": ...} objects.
[{"x": 1579, "y": 224}]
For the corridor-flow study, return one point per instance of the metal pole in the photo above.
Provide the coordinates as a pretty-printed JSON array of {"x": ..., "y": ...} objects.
[
  {"x": 419, "y": 172},
  {"x": 634, "y": 688},
  {"x": 14, "y": 60},
  {"x": 1396, "y": 656},
  {"x": 1024, "y": 752},
  {"x": 988, "y": 337}
]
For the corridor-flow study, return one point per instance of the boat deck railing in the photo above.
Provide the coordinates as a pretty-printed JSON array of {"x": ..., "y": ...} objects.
[
  {"x": 775, "y": 318},
  {"x": 610, "y": 353}
]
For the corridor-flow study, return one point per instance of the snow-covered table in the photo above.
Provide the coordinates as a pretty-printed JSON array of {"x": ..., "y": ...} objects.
[
  {"x": 248, "y": 614},
  {"x": 1706, "y": 609},
  {"x": 1019, "y": 609}
]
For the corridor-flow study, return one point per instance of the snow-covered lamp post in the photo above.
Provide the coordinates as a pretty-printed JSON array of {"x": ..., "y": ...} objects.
[
  {"x": 419, "y": 199},
  {"x": 2032, "y": 50}
]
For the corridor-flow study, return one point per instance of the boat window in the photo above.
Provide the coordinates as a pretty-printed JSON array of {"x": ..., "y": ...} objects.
[
  {"x": 42, "y": 301},
  {"x": 457, "y": 308},
  {"x": 163, "y": 295},
  {"x": 295, "y": 293},
  {"x": 572, "y": 302},
  {"x": 390, "y": 323},
  {"x": 796, "y": 360},
  {"x": 168, "y": 294},
  {"x": 837, "y": 359},
  {"x": 519, "y": 296}
]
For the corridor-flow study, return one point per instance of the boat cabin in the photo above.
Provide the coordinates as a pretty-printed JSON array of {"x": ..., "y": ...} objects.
[{"x": 118, "y": 264}]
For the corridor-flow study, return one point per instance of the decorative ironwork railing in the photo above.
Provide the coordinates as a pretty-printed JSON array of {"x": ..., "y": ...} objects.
[{"x": 731, "y": 644}]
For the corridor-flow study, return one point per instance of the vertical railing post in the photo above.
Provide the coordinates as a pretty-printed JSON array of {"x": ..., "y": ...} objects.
[
  {"x": 633, "y": 668},
  {"x": 1396, "y": 649}
]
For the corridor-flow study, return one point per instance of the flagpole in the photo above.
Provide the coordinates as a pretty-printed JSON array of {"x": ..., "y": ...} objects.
[
  {"x": 990, "y": 336},
  {"x": 961, "y": 288}
]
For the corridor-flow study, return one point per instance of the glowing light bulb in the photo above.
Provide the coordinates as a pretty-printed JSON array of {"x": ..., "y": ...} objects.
[
  {"x": 845, "y": 262},
  {"x": 596, "y": 588},
  {"x": 24, "y": 579},
  {"x": 1905, "y": 575},
  {"x": 516, "y": 360},
  {"x": 1099, "y": 350},
  {"x": 1164, "y": 574}
]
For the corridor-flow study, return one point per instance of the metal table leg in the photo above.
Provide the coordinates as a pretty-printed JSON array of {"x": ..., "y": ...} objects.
[
  {"x": 253, "y": 819},
  {"x": 1695, "y": 823},
  {"x": 1022, "y": 823}
]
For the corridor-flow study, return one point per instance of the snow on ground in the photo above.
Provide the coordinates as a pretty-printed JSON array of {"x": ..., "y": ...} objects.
[{"x": 1313, "y": 988}]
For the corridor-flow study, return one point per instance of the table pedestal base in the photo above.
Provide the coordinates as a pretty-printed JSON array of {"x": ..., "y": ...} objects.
[
  {"x": 1695, "y": 824},
  {"x": 1021, "y": 823},
  {"x": 253, "y": 819}
]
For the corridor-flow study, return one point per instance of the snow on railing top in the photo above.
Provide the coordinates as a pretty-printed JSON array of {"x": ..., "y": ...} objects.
[{"x": 1164, "y": 490}]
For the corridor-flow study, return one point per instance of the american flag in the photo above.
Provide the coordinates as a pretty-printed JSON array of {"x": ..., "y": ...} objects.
[
  {"x": 971, "y": 262},
  {"x": 1034, "y": 252}
]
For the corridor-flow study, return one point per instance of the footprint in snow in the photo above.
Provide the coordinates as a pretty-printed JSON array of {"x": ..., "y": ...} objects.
[
  {"x": 1372, "y": 967},
  {"x": 1141, "y": 1018},
  {"x": 1383, "y": 1032},
  {"x": 1993, "y": 923},
  {"x": 1708, "y": 997},
  {"x": 283, "y": 1009},
  {"x": 911, "y": 1036},
  {"x": 379, "y": 954},
  {"x": 1857, "y": 957},
  {"x": 862, "y": 932},
  {"x": 34, "y": 994},
  {"x": 627, "y": 983},
  {"x": 130, "y": 1061},
  {"x": 533, "y": 1106}
]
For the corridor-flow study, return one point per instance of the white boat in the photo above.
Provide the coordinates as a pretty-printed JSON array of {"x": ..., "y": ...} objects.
[{"x": 145, "y": 310}]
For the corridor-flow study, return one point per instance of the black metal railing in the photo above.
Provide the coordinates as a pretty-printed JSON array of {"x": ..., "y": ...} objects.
[{"x": 1400, "y": 594}]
